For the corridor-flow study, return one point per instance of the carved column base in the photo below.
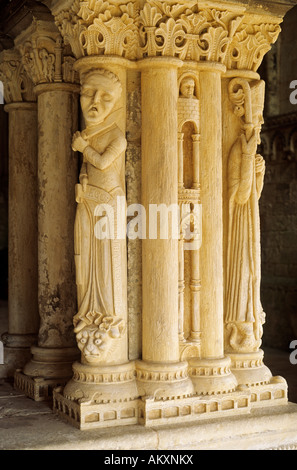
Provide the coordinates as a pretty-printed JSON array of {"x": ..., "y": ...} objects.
[
  {"x": 99, "y": 396},
  {"x": 47, "y": 369},
  {"x": 17, "y": 352},
  {"x": 102, "y": 384},
  {"x": 163, "y": 381},
  {"x": 212, "y": 376},
  {"x": 249, "y": 368}
]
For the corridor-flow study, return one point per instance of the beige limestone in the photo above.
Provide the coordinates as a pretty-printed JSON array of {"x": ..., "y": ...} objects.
[
  {"x": 198, "y": 357},
  {"x": 184, "y": 355},
  {"x": 100, "y": 246}
]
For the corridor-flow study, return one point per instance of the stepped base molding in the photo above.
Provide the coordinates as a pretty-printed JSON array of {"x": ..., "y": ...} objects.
[
  {"x": 249, "y": 368},
  {"x": 87, "y": 414},
  {"x": 47, "y": 369},
  {"x": 37, "y": 388}
]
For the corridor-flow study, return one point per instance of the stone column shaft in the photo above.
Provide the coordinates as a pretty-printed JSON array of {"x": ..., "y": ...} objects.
[
  {"x": 23, "y": 312},
  {"x": 211, "y": 252},
  {"x": 57, "y": 174},
  {"x": 211, "y": 374},
  {"x": 159, "y": 186},
  {"x": 23, "y": 318}
]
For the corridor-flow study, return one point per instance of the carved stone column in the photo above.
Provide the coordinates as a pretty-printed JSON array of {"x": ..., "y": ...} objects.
[
  {"x": 243, "y": 169},
  {"x": 23, "y": 319},
  {"x": 211, "y": 373},
  {"x": 44, "y": 58},
  {"x": 163, "y": 41},
  {"x": 100, "y": 252},
  {"x": 160, "y": 350}
]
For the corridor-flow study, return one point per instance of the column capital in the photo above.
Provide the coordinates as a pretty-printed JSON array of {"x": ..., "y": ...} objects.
[
  {"x": 16, "y": 83},
  {"x": 234, "y": 35},
  {"x": 44, "y": 55}
]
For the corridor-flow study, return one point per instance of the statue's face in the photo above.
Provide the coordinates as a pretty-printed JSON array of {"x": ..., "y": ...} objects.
[
  {"x": 187, "y": 87},
  {"x": 98, "y": 97}
]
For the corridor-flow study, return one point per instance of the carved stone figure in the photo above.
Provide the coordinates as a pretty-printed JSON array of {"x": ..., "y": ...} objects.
[
  {"x": 187, "y": 87},
  {"x": 99, "y": 262},
  {"x": 244, "y": 313}
]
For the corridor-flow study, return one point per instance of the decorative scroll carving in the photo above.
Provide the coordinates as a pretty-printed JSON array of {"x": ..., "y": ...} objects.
[
  {"x": 178, "y": 30},
  {"x": 99, "y": 27},
  {"x": 185, "y": 31},
  {"x": 100, "y": 266},
  {"x": 17, "y": 84},
  {"x": 244, "y": 314}
]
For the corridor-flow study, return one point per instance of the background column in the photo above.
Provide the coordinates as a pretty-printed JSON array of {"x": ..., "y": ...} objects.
[
  {"x": 48, "y": 63},
  {"x": 57, "y": 174},
  {"x": 23, "y": 318}
]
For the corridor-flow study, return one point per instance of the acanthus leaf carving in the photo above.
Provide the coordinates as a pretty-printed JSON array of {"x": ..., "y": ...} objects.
[{"x": 178, "y": 30}]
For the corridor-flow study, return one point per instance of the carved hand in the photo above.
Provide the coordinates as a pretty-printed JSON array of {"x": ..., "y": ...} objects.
[
  {"x": 260, "y": 164},
  {"x": 249, "y": 147},
  {"x": 84, "y": 182},
  {"x": 78, "y": 143}
]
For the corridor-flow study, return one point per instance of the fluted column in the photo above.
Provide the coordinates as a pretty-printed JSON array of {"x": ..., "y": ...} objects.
[{"x": 23, "y": 318}]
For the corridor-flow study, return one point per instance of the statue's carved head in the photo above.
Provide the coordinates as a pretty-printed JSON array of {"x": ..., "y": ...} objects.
[
  {"x": 92, "y": 343},
  {"x": 96, "y": 339},
  {"x": 187, "y": 87},
  {"x": 100, "y": 91}
]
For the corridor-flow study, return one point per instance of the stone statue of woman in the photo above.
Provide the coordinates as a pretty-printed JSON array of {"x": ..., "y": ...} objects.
[
  {"x": 244, "y": 314},
  {"x": 100, "y": 261}
]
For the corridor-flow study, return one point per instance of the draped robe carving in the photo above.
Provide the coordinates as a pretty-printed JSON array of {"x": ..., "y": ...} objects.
[
  {"x": 244, "y": 312},
  {"x": 99, "y": 259}
]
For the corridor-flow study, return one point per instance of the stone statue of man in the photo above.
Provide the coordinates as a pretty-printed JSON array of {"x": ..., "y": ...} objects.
[
  {"x": 244, "y": 314},
  {"x": 103, "y": 144}
]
